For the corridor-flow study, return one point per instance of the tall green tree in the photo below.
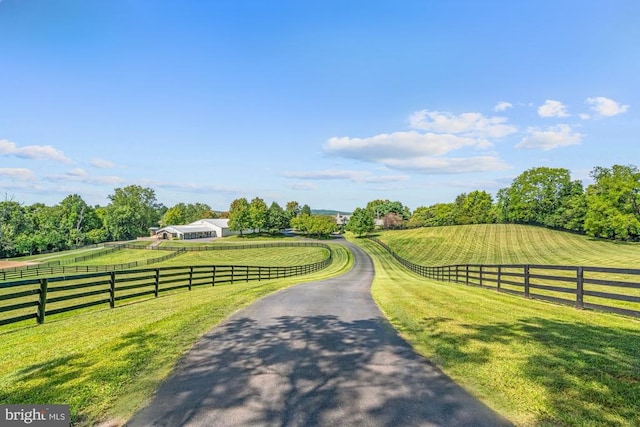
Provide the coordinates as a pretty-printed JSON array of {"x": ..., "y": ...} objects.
[
  {"x": 474, "y": 208},
  {"x": 77, "y": 219},
  {"x": 239, "y": 217},
  {"x": 613, "y": 203},
  {"x": 258, "y": 214},
  {"x": 536, "y": 195},
  {"x": 277, "y": 218},
  {"x": 361, "y": 222},
  {"x": 305, "y": 210},
  {"x": 132, "y": 211}
]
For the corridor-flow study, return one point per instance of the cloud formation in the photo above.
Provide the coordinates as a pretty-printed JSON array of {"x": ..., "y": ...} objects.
[
  {"x": 465, "y": 124},
  {"x": 552, "y": 108},
  {"x": 349, "y": 175},
  {"x": 606, "y": 107},
  {"x": 34, "y": 152},
  {"x": 19, "y": 174},
  {"x": 551, "y": 138},
  {"x": 435, "y": 135},
  {"x": 102, "y": 163},
  {"x": 502, "y": 106}
]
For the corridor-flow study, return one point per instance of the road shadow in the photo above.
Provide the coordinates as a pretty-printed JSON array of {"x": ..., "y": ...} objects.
[{"x": 309, "y": 371}]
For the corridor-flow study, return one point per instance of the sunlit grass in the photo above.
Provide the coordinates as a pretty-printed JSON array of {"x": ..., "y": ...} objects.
[
  {"x": 107, "y": 363},
  {"x": 537, "y": 363},
  {"x": 507, "y": 244}
]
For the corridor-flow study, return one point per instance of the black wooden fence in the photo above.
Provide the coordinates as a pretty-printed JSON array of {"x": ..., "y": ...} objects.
[
  {"x": 56, "y": 268},
  {"x": 609, "y": 289},
  {"x": 38, "y": 298}
]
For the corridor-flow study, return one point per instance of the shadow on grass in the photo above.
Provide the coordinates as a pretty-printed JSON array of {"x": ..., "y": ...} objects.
[
  {"x": 590, "y": 373},
  {"x": 309, "y": 371},
  {"x": 78, "y": 381}
]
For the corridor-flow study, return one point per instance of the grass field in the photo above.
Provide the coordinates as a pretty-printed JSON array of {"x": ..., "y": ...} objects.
[
  {"x": 258, "y": 257},
  {"x": 507, "y": 244},
  {"x": 539, "y": 364},
  {"x": 106, "y": 363},
  {"x": 520, "y": 244}
]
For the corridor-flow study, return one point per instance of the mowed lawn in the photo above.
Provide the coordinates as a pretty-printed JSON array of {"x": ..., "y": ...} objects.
[
  {"x": 107, "y": 363},
  {"x": 277, "y": 256},
  {"x": 508, "y": 244},
  {"x": 539, "y": 364}
]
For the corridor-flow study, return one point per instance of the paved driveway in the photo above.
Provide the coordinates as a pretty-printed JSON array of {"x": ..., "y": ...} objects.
[{"x": 317, "y": 354}]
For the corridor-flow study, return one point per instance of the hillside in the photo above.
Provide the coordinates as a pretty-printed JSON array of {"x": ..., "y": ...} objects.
[{"x": 507, "y": 244}]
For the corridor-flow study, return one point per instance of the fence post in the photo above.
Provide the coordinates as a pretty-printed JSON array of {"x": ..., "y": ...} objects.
[
  {"x": 112, "y": 289},
  {"x": 247, "y": 276},
  {"x": 526, "y": 281},
  {"x": 580, "y": 288},
  {"x": 213, "y": 276},
  {"x": 190, "y": 277},
  {"x": 457, "y": 278},
  {"x": 42, "y": 300},
  {"x": 480, "y": 275},
  {"x": 467, "y": 274},
  {"x": 499, "y": 277},
  {"x": 157, "y": 284}
]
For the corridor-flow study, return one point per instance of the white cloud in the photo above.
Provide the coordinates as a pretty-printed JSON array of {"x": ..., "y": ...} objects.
[
  {"x": 606, "y": 107},
  {"x": 102, "y": 163},
  {"x": 442, "y": 165},
  {"x": 19, "y": 174},
  {"x": 399, "y": 145},
  {"x": 502, "y": 106},
  {"x": 550, "y": 138},
  {"x": 465, "y": 124},
  {"x": 354, "y": 176},
  {"x": 34, "y": 152},
  {"x": 552, "y": 108},
  {"x": 77, "y": 172}
]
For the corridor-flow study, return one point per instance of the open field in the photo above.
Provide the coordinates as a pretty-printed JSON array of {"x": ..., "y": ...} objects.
[
  {"x": 508, "y": 244},
  {"x": 537, "y": 363},
  {"x": 259, "y": 257},
  {"x": 541, "y": 248},
  {"x": 108, "y": 362}
]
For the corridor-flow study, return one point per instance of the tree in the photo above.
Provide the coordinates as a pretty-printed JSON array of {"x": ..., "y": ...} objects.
[
  {"x": 258, "y": 214},
  {"x": 292, "y": 209},
  {"x": 381, "y": 208},
  {"x": 77, "y": 219},
  {"x": 132, "y": 211},
  {"x": 536, "y": 195},
  {"x": 175, "y": 215},
  {"x": 239, "y": 219},
  {"x": 361, "y": 222},
  {"x": 474, "y": 208},
  {"x": 613, "y": 203},
  {"x": 318, "y": 225},
  {"x": 305, "y": 210},
  {"x": 276, "y": 218}
]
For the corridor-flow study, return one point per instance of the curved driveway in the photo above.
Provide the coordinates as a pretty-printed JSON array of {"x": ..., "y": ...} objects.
[{"x": 317, "y": 354}]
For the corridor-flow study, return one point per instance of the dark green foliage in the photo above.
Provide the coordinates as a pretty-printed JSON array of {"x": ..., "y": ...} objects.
[{"x": 361, "y": 222}]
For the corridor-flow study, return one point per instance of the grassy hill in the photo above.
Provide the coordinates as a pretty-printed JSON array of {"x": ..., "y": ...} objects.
[
  {"x": 508, "y": 244},
  {"x": 539, "y": 364}
]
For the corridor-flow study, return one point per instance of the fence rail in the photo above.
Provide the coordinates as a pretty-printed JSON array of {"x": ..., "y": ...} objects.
[
  {"x": 55, "y": 295},
  {"x": 603, "y": 288}
]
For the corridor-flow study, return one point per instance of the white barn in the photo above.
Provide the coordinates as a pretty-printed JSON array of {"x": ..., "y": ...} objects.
[{"x": 200, "y": 229}]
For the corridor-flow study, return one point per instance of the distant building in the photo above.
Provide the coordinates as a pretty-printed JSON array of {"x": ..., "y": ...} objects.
[
  {"x": 342, "y": 220},
  {"x": 197, "y": 230}
]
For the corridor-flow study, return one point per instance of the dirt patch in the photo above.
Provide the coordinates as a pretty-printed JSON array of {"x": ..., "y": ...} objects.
[{"x": 13, "y": 264}]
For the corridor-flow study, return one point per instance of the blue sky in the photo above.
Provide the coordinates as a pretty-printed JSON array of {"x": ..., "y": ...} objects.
[{"x": 329, "y": 103}]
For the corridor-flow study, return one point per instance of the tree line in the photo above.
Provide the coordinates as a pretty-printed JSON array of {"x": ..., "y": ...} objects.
[
  {"x": 608, "y": 208},
  {"x": 130, "y": 213}
]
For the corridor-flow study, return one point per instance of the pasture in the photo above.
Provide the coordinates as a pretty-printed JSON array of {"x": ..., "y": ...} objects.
[
  {"x": 539, "y": 364},
  {"x": 106, "y": 363}
]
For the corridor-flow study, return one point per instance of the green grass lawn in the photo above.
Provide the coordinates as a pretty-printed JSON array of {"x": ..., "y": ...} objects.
[
  {"x": 539, "y": 364},
  {"x": 507, "y": 244},
  {"x": 284, "y": 256},
  {"x": 107, "y": 363}
]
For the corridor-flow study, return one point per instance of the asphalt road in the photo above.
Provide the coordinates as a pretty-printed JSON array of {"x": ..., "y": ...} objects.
[{"x": 317, "y": 354}]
